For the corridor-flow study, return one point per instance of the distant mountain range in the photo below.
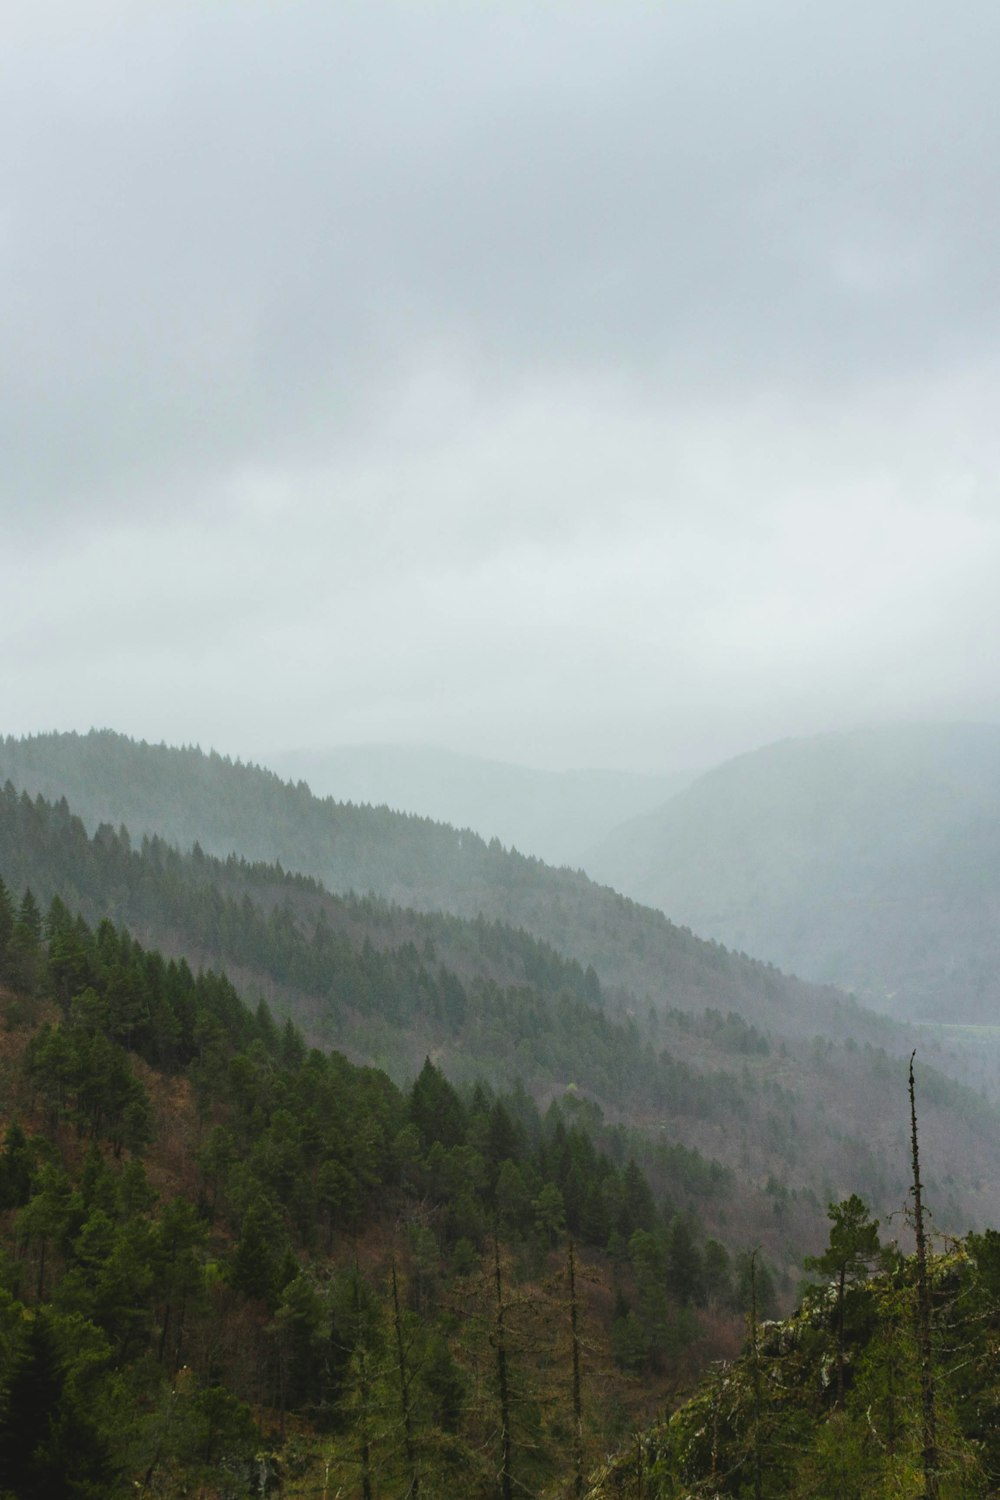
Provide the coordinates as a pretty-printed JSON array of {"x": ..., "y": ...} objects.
[
  {"x": 869, "y": 860},
  {"x": 744, "y": 1098},
  {"x": 555, "y": 815},
  {"x": 497, "y": 966},
  {"x": 188, "y": 797}
]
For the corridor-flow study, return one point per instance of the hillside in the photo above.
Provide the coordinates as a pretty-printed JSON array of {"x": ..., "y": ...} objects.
[
  {"x": 243, "y": 1207},
  {"x": 554, "y": 815},
  {"x": 186, "y": 797},
  {"x": 868, "y": 860},
  {"x": 775, "y": 1424},
  {"x": 232, "y": 1266},
  {"x": 753, "y": 1131}
]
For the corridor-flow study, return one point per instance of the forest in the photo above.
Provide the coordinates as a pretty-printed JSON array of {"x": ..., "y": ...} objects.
[
  {"x": 755, "y": 1128},
  {"x": 232, "y": 1265},
  {"x": 844, "y": 1398},
  {"x": 226, "y": 1252},
  {"x": 305, "y": 1193},
  {"x": 499, "y": 751}
]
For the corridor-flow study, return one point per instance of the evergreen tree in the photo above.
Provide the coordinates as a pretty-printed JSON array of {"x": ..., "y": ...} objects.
[
  {"x": 435, "y": 1109},
  {"x": 854, "y": 1245},
  {"x": 6, "y": 926},
  {"x": 17, "y": 1166},
  {"x": 49, "y": 1446}
]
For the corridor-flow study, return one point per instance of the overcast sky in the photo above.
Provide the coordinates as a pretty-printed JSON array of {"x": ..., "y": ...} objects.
[{"x": 578, "y": 384}]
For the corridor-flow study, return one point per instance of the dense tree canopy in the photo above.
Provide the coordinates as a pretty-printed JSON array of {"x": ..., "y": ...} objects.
[{"x": 202, "y": 1214}]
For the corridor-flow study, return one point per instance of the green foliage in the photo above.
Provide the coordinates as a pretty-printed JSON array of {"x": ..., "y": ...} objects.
[
  {"x": 774, "y": 1418},
  {"x": 17, "y": 1168},
  {"x": 50, "y": 1443},
  {"x": 477, "y": 993},
  {"x": 854, "y": 1241},
  {"x": 148, "y": 1326},
  {"x": 366, "y": 969}
]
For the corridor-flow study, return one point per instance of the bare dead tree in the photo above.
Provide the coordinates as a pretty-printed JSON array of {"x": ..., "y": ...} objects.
[
  {"x": 928, "y": 1398},
  {"x": 758, "y": 1470},
  {"x": 364, "y": 1390},
  {"x": 405, "y": 1375},
  {"x": 500, "y": 1340},
  {"x": 577, "y": 1389}
]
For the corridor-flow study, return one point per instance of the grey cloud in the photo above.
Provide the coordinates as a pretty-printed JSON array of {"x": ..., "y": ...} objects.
[
  {"x": 576, "y": 382},
  {"x": 232, "y": 231}
]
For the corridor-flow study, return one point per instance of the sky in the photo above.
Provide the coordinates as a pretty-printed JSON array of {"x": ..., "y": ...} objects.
[{"x": 568, "y": 383}]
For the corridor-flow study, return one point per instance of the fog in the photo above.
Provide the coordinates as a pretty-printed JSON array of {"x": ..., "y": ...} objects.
[{"x": 573, "y": 384}]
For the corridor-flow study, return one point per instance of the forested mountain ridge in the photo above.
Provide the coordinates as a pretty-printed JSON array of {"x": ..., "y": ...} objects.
[
  {"x": 869, "y": 859},
  {"x": 788, "y": 1122},
  {"x": 232, "y": 1265},
  {"x": 283, "y": 1268},
  {"x": 188, "y": 797}
]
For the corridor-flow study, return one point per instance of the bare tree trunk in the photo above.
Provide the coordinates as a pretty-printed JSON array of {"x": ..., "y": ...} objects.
[
  {"x": 40, "y": 1288},
  {"x": 282, "y": 1373},
  {"x": 506, "y": 1475},
  {"x": 404, "y": 1389},
  {"x": 713, "y": 1471},
  {"x": 164, "y": 1327},
  {"x": 840, "y": 1334},
  {"x": 577, "y": 1390},
  {"x": 364, "y": 1391},
  {"x": 928, "y": 1400},
  {"x": 755, "y": 1371},
  {"x": 179, "y": 1335}
]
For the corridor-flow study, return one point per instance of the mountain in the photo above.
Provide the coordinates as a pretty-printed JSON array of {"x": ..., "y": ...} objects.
[
  {"x": 868, "y": 860},
  {"x": 225, "y": 1246},
  {"x": 234, "y": 1266},
  {"x": 188, "y": 797},
  {"x": 756, "y": 1127},
  {"x": 231, "y": 1265},
  {"x": 554, "y": 815}
]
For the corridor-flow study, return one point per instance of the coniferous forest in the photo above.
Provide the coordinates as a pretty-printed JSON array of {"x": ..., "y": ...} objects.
[
  {"x": 499, "y": 750},
  {"x": 227, "y": 1252},
  {"x": 315, "y": 1194}
]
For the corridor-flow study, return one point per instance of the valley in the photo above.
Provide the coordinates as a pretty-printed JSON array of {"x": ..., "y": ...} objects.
[{"x": 528, "y": 1005}]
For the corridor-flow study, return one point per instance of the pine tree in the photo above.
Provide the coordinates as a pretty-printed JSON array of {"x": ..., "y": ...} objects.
[
  {"x": 48, "y": 1445},
  {"x": 404, "y": 1374},
  {"x": 854, "y": 1244}
]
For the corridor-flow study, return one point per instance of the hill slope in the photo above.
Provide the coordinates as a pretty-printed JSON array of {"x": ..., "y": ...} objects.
[
  {"x": 774, "y": 1424},
  {"x": 226, "y": 1261},
  {"x": 869, "y": 860},
  {"x": 792, "y": 1121},
  {"x": 188, "y": 797}
]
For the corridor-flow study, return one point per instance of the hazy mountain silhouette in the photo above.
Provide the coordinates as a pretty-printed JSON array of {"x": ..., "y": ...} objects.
[
  {"x": 870, "y": 860},
  {"x": 188, "y": 797},
  {"x": 556, "y": 815}
]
